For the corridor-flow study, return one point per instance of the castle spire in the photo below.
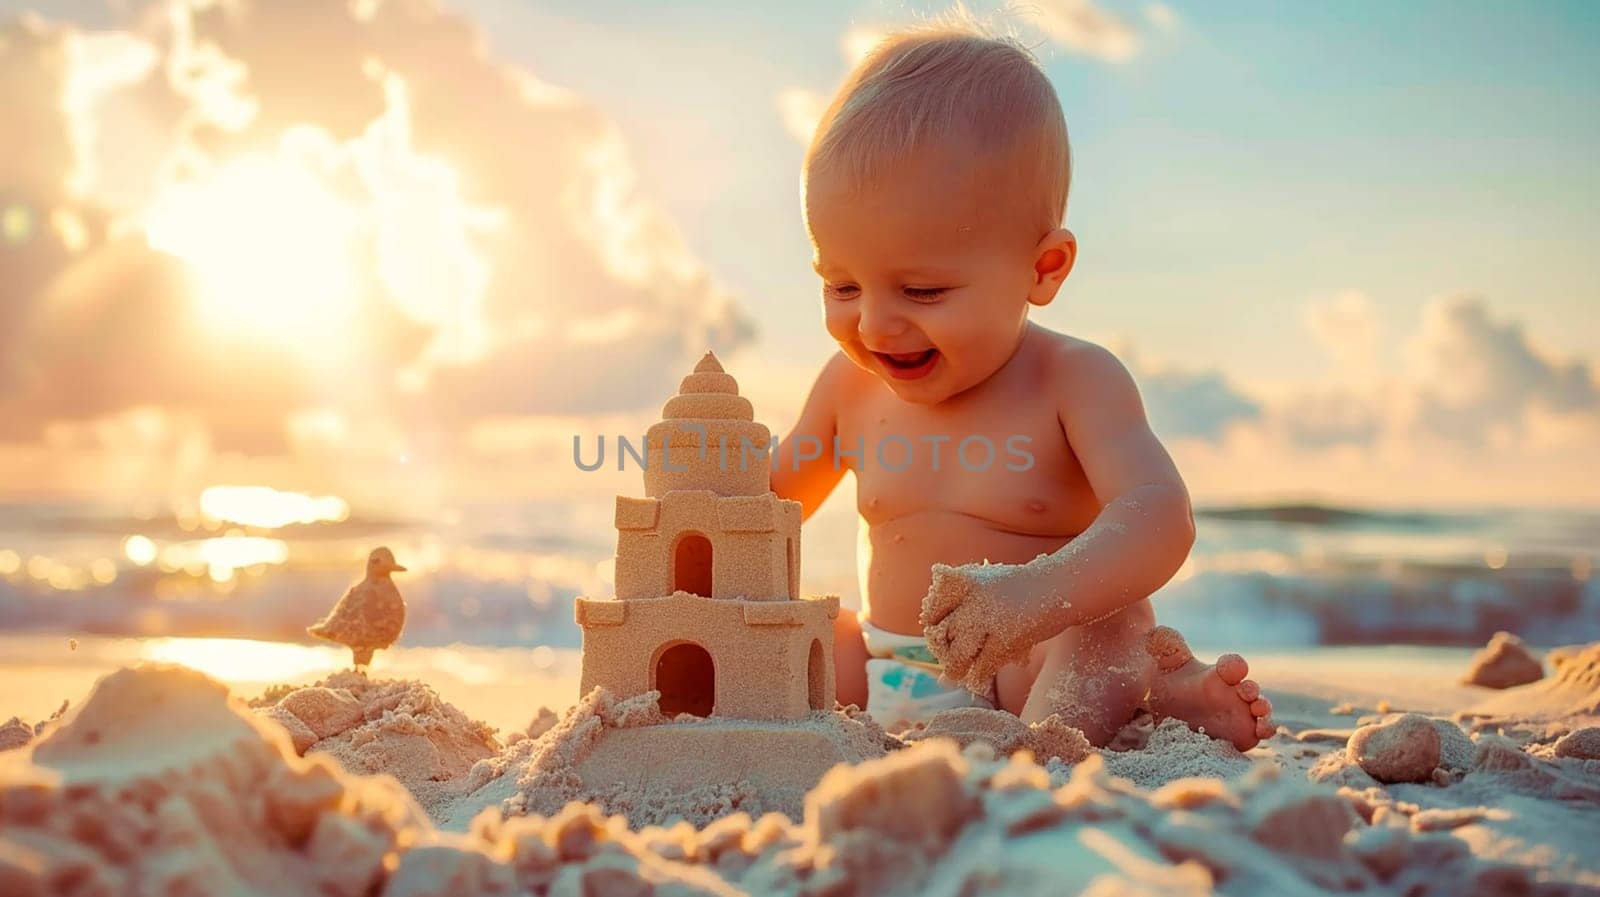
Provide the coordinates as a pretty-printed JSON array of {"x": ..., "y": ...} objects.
[{"x": 709, "y": 364}]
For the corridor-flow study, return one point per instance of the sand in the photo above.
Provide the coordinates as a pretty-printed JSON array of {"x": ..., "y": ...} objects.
[
  {"x": 401, "y": 728},
  {"x": 627, "y": 759},
  {"x": 1048, "y": 739},
  {"x": 1572, "y": 693},
  {"x": 1405, "y": 748},
  {"x": 161, "y": 783},
  {"x": 1503, "y": 663},
  {"x": 14, "y": 733},
  {"x": 951, "y": 588}
]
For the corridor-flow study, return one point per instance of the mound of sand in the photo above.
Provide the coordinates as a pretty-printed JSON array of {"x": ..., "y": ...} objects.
[
  {"x": 401, "y": 728},
  {"x": 1574, "y": 690},
  {"x": 1048, "y": 739},
  {"x": 162, "y": 784},
  {"x": 626, "y": 758},
  {"x": 1584, "y": 744},
  {"x": 1173, "y": 751},
  {"x": 1503, "y": 663},
  {"x": 14, "y": 733},
  {"x": 1405, "y": 748},
  {"x": 931, "y": 820}
]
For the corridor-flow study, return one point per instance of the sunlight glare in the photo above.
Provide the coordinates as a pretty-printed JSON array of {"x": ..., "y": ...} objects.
[
  {"x": 139, "y": 549},
  {"x": 246, "y": 660},
  {"x": 267, "y": 508},
  {"x": 221, "y": 556},
  {"x": 271, "y": 248}
]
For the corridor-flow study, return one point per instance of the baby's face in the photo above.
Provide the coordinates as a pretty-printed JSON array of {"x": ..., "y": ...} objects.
[{"x": 925, "y": 277}]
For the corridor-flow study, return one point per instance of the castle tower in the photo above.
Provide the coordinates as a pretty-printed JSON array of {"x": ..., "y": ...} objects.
[{"x": 707, "y": 608}]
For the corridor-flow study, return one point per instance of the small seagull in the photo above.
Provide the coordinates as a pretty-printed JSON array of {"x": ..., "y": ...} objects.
[{"x": 371, "y": 615}]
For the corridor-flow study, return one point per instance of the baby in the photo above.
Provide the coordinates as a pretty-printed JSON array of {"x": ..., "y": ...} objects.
[{"x": 935, "y": 189}]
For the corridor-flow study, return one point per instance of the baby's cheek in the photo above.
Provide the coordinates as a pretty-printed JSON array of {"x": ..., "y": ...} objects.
[{"x": 840, "y": 321}]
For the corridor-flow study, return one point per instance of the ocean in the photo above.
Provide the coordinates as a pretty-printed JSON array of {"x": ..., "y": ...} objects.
[{"x": 1260, "y": 577}]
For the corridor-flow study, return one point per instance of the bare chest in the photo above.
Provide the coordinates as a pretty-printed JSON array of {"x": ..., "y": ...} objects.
[{"x": 1012, "y": 470}]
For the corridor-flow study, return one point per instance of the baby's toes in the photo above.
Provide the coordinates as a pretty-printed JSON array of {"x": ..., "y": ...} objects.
[
  {"x": 1232, "y": 669},
  {"x": 1261, "y": 709},
  {"x": 1248, "y": 690}
]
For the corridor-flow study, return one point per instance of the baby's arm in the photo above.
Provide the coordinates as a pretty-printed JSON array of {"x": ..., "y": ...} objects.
[
  {"x": 1140, "y": 538},
  {"x": 1145, "y": 527},
  {"x": 811, "y": 481}
]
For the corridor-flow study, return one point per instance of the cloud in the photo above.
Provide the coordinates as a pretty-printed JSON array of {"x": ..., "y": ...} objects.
[
  {"x": 503, "y": 258},
  {"x": 1469, "y": 380},
  {"x": 1189, "y": 404},
  {"x": 1321, "y": 417},
  {"x": 1470, "y": 407},
  {"x": 859, "y": 39},
  {"x": 1161, "y": 16},
  {"x": 801, "y": 110},
  {"x": 1084, "y": 27},
  {"x": 1079, "y": 26},
  {"x": 1476, "y": 374},
  {"x": 1346, "y": 326}
]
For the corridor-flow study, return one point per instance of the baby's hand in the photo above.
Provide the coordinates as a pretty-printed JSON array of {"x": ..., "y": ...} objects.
[{"x": 978, "y": 619}]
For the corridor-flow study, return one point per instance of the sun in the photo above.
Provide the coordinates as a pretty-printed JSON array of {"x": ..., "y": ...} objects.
[{"x": 272, "y": 250}]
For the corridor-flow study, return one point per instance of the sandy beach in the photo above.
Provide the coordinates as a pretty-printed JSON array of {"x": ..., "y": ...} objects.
[
  {"x": 426, "y": 785},
  {"x": 482, "y": 448}
]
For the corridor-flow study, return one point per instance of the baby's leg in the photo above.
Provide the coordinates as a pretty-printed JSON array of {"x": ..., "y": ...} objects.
[
  {"x": 1215, "y": 699},
  {"x": 1095, "y": 676},
  {"x": 849, "y": 659}
]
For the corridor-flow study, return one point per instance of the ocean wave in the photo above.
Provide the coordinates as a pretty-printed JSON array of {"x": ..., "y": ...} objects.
[
  {"x": 1271, "y": 576},
  {"x": 1310, "y": 514},
  {"x": 1257, "y": 609}
]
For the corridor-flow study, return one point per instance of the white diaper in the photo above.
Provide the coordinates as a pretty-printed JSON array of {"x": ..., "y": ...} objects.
[{"x": 900, "y": 693}]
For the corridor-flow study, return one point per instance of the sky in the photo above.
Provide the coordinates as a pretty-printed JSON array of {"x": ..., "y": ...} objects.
[{"x": 1346, "y": 249}]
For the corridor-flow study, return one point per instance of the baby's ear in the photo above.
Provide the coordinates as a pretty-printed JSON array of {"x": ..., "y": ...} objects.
[{"x": 1052, "y": 262}]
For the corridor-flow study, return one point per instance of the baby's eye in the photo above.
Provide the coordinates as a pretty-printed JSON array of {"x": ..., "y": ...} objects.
[
  {"x": 925, "y": 294},
  {"x": 839, "y": 290}
]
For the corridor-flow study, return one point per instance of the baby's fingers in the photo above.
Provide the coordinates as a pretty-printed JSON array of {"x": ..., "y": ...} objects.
[
  {"x": 983, "y": 668},
  {"x": 947, "y": 590},
  {"x": 965, "y": 644},
  {"x": 938, "y": 637}
]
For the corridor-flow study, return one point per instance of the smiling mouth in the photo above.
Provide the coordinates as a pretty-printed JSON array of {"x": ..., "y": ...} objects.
[{"x": 904, "y": 364}]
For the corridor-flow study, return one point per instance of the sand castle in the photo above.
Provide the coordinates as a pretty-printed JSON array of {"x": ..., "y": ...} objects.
[
  {"x": 707, "y": 682},
  {"x": 707, "y": 609}
]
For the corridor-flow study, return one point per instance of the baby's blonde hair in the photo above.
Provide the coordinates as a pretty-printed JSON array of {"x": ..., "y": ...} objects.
[{"x": 946, "y": 84}]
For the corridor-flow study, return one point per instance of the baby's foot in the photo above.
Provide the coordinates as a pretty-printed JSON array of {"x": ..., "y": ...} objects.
[{"x": 1214, "y": 699}]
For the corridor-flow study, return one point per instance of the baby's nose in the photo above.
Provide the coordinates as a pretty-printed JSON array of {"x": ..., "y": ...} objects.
[{"x": 879, "y": 319}]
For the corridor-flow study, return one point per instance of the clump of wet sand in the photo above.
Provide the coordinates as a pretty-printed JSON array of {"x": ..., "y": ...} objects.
[
  {"x": 1173, "y": 751},
  {"x": 1583, "y": 744},
  {"x": 1505, "y": 662},
  {"x": 14, "y": 733},
  {"x": 17, "y": 733},
  {"x": 1404, "y": 748},
  {"x": 401, "y": 728},
  {"x": 1048, "y": 739}
]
